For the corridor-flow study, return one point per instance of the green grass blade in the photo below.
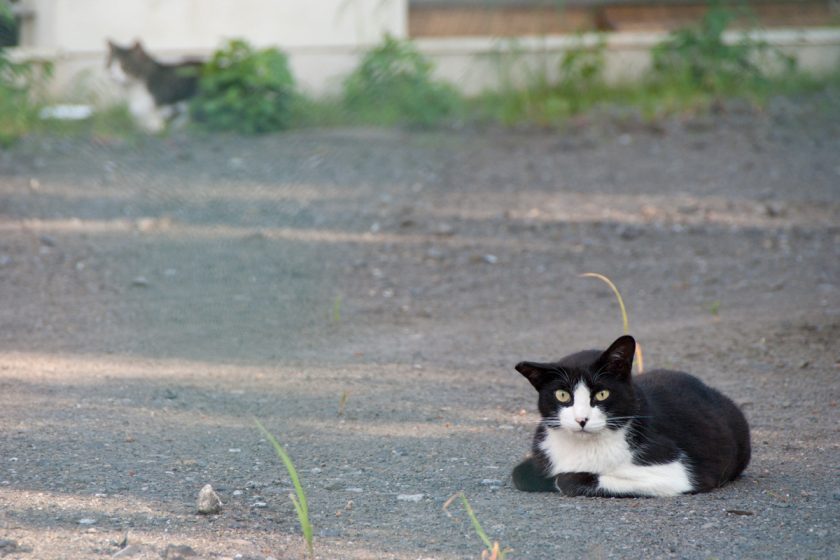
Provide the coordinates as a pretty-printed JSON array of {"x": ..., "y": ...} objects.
[
  {"x": 299, "y": 498},
  {"x": 336, "y": 310},
  {"x": 307, "y": 527},
  {"x": 475, "y": 523}
]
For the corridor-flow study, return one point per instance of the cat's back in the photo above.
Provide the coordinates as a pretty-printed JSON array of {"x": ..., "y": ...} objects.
[
  {"x": 707, "y": 425},
  {"x": 669, "y": 385}
]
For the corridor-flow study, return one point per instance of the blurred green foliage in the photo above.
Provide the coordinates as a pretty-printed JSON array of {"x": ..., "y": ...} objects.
[
  {"x": 699, "y": 59},
  {"x": 245, "y": 90},
  {"x": 21, "y": 87},
  {"x": 393, "y": 84},
  {"x": 253, "y": 91},
  {"x": 551, "y": 92},
  {"x": 691, "y": 68}
]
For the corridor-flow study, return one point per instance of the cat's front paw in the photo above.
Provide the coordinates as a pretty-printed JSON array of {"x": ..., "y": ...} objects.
[{"x": 577, "y": 484}]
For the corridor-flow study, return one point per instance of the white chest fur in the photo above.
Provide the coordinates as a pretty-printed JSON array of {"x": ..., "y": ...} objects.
[
  {"x": 582, "y": 452},
  {"x": 607, "y": 454}
]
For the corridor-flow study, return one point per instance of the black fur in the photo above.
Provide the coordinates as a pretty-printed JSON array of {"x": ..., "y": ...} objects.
[{"x": 673, "y": 416}]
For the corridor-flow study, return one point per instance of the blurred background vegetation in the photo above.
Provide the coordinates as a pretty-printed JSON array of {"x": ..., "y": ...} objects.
[{"x": 250, "y": 91}]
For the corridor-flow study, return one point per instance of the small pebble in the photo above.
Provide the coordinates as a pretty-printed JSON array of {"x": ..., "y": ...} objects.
[
  {"x": 329, "y": 533},
  {"x": 409, "y": 497},
  {"x": 208, "y": 501}
]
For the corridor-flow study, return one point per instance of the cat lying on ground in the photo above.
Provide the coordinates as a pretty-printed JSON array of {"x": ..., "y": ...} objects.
[
  {"x": 156, "y": 92},
  {"x": 605, "y": 433}
]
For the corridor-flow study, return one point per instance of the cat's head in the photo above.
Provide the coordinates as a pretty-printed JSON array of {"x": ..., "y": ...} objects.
[
  {"x": 125, "y": 63},
  {"x": 587, "y": 392}
]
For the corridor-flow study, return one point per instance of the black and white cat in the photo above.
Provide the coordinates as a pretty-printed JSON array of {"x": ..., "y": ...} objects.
[
  {"x": 156, "y": 91},
  {"x": 606, "y": 433}
]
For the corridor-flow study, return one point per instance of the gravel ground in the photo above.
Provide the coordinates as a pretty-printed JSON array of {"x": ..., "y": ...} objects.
[{"x": 157, "y": 295}]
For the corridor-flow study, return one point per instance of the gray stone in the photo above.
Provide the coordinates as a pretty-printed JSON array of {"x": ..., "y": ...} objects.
[
  {"x": 409, "y": 497},
  {"x": 208, "y": 501}
]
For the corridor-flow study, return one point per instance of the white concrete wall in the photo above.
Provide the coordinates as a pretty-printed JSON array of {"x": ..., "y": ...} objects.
[{"x": 83, "y": 25}]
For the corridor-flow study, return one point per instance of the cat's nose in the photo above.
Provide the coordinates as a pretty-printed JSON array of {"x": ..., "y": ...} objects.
[{"x": 582, "y": 421}]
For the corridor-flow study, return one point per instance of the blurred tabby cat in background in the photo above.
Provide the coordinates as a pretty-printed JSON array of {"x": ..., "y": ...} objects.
[{"x": 156, "y": 92}]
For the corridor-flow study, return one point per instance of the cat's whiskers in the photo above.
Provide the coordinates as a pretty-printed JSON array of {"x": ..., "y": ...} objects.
[{"x": 635, "y": 433}]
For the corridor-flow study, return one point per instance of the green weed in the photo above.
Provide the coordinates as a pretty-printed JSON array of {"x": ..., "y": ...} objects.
[
  {"x": 21, "y": 90},
  {"x": 336, "y": 309},
  {"x": 246, "y": 91},
  {"x": 393, "y": 84},
  {"x": 691, "y": 68},
  {"x": 342, "y": 402},
  {"x": 299, "y": 497},
  {"x": 492, "y": 550},
  {"x": 698, "y": 60}
]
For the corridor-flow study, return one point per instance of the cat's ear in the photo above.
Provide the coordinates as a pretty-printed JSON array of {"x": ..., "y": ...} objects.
[
  {"x": 618, "y": 358},
  {"x": 137, "y": 46},
  {"x": 537, "y": 374}
]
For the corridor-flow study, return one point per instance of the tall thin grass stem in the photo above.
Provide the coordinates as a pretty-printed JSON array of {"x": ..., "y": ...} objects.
[
  {"x": 299, "y": 497},
  {"x": 491, "y": 548},
  {"x": 640, "y": 362}
]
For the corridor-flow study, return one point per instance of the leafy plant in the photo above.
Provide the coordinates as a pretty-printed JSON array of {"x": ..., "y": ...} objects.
[
  {"x": 492, "y": 550},
  {"x": 21, "y": 85},
  {"x": 394, "y": 84},
  {"x": 579, "y": 84},
  {"x": 244, "y": 90},
  {"x": 299, "y": 497},
  {"x": 640, "y": 364},
  {"x": 699, "y": 58},
  {"x": 581, "y": 72}
]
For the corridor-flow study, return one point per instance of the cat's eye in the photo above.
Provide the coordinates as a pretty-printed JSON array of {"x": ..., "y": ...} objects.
[
  {"x": 602, "y": 395},
  {"x": 562, "y": 396}
]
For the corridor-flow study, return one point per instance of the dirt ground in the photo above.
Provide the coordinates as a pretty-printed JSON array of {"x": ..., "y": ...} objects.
[{"x": 156, "y": 296}]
